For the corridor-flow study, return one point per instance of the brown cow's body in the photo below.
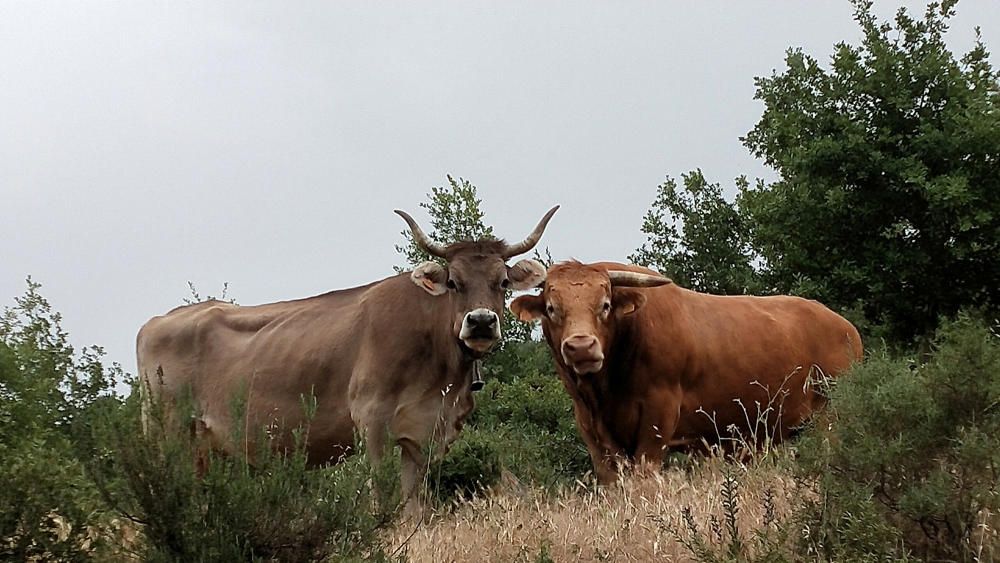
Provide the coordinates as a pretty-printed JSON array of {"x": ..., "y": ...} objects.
[
  {"x": 394, "y": 357},
  {"x": 683, "y": 366},
  {"x": 359, "y": 371}
]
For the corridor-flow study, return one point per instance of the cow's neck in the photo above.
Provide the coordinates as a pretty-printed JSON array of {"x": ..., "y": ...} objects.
[
  {"x": 626, "y": 350},
  {"x": 609, "y": 394}
]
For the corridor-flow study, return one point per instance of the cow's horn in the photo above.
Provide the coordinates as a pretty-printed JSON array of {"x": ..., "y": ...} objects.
[
  {"x": 532, "y": 239},
  {"x": 422, "y": 240},
  {"x": 621, "y": 278}
]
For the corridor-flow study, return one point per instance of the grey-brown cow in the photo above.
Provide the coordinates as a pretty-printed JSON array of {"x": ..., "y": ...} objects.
[{"x": 394, "y": 357}]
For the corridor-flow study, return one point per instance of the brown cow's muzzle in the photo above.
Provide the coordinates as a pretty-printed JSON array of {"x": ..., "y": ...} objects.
[
  {"x": 583, "y": 353},
  {"x": 480, "y": 329}
]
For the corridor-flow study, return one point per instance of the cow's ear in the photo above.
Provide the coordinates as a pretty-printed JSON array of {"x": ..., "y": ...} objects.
[
  {"x": 526, "y": 274},
  {"x": 627, "y": 300},
  {"x": 528, "y": 307},
  {"x": 431, "y": 277}
]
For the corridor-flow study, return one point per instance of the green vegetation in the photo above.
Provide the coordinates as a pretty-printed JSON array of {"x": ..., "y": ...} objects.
[
  {"x": 723, "y": 539},
  {"x": 887, "y": 208},
  {"x": 908, "y": 456},
  {"x": 48, "y": 393},
  {"x": 699, "y": 239},
  {"x": 82, "y": 478},
  {"x": 888, "y": 201},
  {"x": 276, "y": 509}
]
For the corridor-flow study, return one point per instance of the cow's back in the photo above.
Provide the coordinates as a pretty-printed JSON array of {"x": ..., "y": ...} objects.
[
  {"x": 267, "y": 357},
  {"x": 746, "y": 361}
]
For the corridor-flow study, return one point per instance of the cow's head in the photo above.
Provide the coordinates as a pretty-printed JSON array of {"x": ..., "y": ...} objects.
[
  {"x": 581, "y": 306},
  {"x": 475, "y": 278}
]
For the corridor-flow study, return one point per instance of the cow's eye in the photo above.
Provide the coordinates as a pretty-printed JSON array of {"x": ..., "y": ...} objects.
[
  {"x": 452, "y": 285},
  {"x": 607, "y": 306},
  {"x": 550, "y": 310},
  {"x": 505, "y": 283}
]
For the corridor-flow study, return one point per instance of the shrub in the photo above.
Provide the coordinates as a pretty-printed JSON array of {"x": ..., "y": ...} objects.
[
  {"x": 531, "y": 418},
  {"x": 50, "y": 510},
  {"x": 275, "y": 509},
  {"x": 907, "y": 457},
  {"x": 472, "y": 464},
  {"x": 721, "y": 539},
  {"x": 523, "y": 424}
]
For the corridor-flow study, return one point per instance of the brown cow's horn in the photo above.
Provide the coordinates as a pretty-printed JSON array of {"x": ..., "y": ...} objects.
[
  {"x": 532, "y": 239},
  {"x": 422, "y": 240},
  {"x": 621, "y": 278}
]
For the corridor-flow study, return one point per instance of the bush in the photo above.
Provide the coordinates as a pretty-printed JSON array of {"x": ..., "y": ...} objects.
[
  {"x": 471, "y": 465},
  {"x": 532, "y": 416},
  {"x": 49, "y": 511},
  {"x": 523, "y": 424},
  {"x": 721, "y": 539},
  {"x": 275, "y": 509},
  {"x": 47, "y": 392},
  {"x": 907, "y": 457}
]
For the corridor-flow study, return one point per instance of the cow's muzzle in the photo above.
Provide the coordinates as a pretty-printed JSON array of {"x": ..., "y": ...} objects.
[
  {"x": 583, "y": 353},
  {"x": 480, "y": 329}
]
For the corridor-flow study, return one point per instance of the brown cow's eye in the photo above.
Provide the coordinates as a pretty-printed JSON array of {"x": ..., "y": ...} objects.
[
  {"x": 607, "y": 306},
  {"x": 505, "y": 283},
  {"x": 550, "y": 310},
  {"x": 452, "y": 285}
]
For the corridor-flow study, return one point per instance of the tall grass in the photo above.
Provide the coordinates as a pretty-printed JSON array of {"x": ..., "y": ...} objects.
[{"x": 638, "y": 519}]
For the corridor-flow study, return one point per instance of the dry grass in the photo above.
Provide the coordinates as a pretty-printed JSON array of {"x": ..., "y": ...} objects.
[{"x": 631, "y": 521}]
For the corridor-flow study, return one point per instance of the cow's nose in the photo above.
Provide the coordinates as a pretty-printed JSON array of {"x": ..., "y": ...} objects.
[
  {"x": 482, "y": 325},
  {"x": 582, "y": 347},
  {"x": 482, "y": 318}
]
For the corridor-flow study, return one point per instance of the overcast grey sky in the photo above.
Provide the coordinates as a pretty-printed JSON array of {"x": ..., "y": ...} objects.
[{"x": 145, "y": 144}]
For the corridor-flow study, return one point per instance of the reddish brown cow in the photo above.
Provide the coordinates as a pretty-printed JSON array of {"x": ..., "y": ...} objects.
[{"x": 661, "y": 367}]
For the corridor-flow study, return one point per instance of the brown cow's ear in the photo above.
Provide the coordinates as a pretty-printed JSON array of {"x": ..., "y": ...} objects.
[
  {"x": 528, "y": 307},
  {"x": 431, "y": 277},
  {"x": 526, "y": 274},
  {"x": 627, "y": 301}
]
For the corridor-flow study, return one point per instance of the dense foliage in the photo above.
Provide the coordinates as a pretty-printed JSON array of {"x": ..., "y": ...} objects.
[
  {"x": 889, "y": 193},
  {"x": 82, "y": 479},
  {"x": 48, "y": 392},
  {"x": 908, "y": 456},
  {"x": 456, "y": 214},
  {"x": 194, "y": 505},
  {"x": 888, "y": 199},
  {"x": 698, "y": 238}
]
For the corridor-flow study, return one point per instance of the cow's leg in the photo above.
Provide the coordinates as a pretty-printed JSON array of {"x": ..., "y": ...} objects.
[
  {"x": 393, "y": 430},
  {"x": 199, "y": 438},
  {"x": 376, "y": 440},
  {"x": 656, "y": 431},
  {"x": 605, "y": 466},
  {"x": 603, "y": 456},
  {"x": 413, "y": 468},
  {"x": 378, "y": 446}
]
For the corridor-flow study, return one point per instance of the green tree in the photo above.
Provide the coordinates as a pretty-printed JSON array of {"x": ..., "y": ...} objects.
[
  {"x": 49, "y": 394},
  {"x": 698, "y": 238},
  {"x": 53, "y": 384},
  {"x": 889, "y": 158}
]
